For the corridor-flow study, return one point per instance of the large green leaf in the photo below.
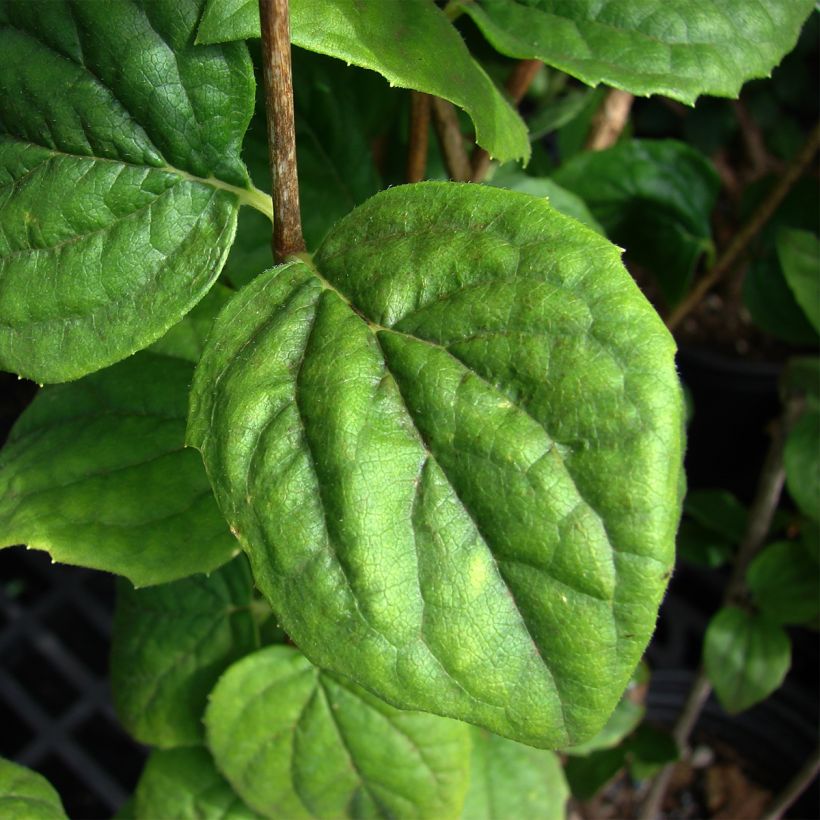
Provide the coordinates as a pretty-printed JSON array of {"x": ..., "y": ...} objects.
[
  {"x": 452, "y": 449},
  {"x": 746, "y": 657},
  {"x": 95, "y": 472},
  {"x": 183, "y": 784},
  {"x": 802, "y": 461},
  {"x": 170, "y": 645},
  {"x": 26, "y": 795},
  {"x": 120, "y": 176},
  {"x": 412, "y": 44},
  {"x": 654, "y": 197},
  {"x": 799, "y": 253},
  {"x": 297, "y": 742},
  {"x": 509, "y": 781},
  {"x": 679, "y": 48}
]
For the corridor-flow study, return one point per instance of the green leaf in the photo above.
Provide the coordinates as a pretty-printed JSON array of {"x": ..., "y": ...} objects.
[
  {"x": 95, "y": 473},
  {"x": 802, "y": 377},
  {"x": 672, "y": 47},
  {"x": 718, "y": 511},
  {"x": 26, "y": 795},
  {"x": 649, "y": 750},
  {"x": 431, "y": 56},
  {"x": 702, "y": 546},
  {"x": 170, "y": 645},
  {"x": 298, "y": 742},
  {"x": 799, "y": 253},
  {"x": 452, "y": 450},
  {"x": 587, "y": 775},
  {"x": 801, "y": 459},
  {"x": 183, "y": 784},
  {"x": 785, "y": 582},
  {"x": 655, "y": 198},
  {"x": 120, "y": 177},
  {"x": 622, "y": 721},
  {"x": 558, "y": 113},
  {"x": 746, "y": 657},
  {"x": 560, "y": 198},
  {"x": 509, "y": 781}
]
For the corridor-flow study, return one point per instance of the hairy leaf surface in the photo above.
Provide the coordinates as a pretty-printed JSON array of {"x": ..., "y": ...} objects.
[
  {"x": 170, "y": 645},
  {"x": 297, "y": 742},
  {"x": 120, "y": 176},
  {"x": 183, "y": 784},
  {"x": 95, "y": 472},
  {"x": 679, "y": 48},
  {"x": 26, "y": 795},
  {"x": 452, "y": 450},
  {"x": 412, "y": 44}
]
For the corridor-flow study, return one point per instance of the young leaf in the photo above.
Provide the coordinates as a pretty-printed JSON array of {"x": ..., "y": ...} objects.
[
  {"x": 412, "y": 44},
  {"x": 297, "y": 742},
  {"x": 677, "y": 48},
  {"x": 746, "y": 657},
  {"x": 183, "y": 784},
  {"x": 801, "y": 459},
  {"x": 120, "y": 177},
  {"x": 799, "y": 253},
  {"x": 170, "y": 645},
  {"x": 95, "y": 473},
  {"x": 453, "y": 449},
  {"x": 653, "y": 197},
  {"x": 508, "y": 780},
  {"x": 785, "y": 582},
  {"x": 26, "y": 795}
]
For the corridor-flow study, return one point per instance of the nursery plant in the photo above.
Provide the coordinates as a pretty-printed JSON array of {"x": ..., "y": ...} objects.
[{"x": 393, "y": 497}]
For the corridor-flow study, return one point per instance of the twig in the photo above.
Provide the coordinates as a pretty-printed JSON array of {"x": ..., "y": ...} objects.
[
  {"x": 796, "y": 786},
  {"x": 450, "y": 139},
  {"x": 610, "y": 120},
  {"x": 518, "y": 82},
  {"x": 748, "y": 232},
  {"x": 419, "y": 136},
  {"x": 287, "y": 221},
  {"x": 759, "y": 159},
  {"x": 767, "y": 496}
]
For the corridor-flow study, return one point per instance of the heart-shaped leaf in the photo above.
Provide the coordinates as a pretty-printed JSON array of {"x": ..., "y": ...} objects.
[
  {"x": 170, "y": 645},
  {"x": 95, "y": 472},
  {"x": 26, "y": 795},
  {"x": 120, "y": 177},
  {"x": 452, "y": 449},
  {"x": 679, "y": 48},
  {"x": 297, "y": 742}
]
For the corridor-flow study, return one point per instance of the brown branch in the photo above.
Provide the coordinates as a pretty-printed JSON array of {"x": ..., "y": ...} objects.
[
  {"x": 749, "y": 231},
  {"x": 287, "y": 222},
  {"x": 450, "y": 139},
  {"x": 419, "y": 136},
  {"x": 610, "y": 120},
  {"x": 796, "y": 786},
  {"x": 518, "y": 82}
]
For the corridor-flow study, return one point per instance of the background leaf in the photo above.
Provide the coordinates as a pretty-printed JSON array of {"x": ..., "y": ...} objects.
[
  {"x": 653, "y": 197},
  {"x": 801, "y": 458},
  {"x": 746, "y": 657},
  {"x": 422, "y": 474},
  {"x": 95, "y": 473},
  {"x": 678, "y": 48},
  {"x": 26, "y": 795},
  {"x": 799, "y": 253},
  {"x": 170, "y": 645},
  {"x": 118, "y": 195},
  {"x": 297, "y": 742}
]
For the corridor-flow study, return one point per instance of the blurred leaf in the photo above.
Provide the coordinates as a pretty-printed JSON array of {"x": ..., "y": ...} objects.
[
  {"x": 785, "y": 582},
  {"x": 802, "y": 376},
  {"x": 718, "y": 511},
  {"x": 586, "y": 775},
  {"x": 799, "y": 253},
  {"x": 624, "y": 719},
  {"x": 649, "y": 750},
  {"x": 702, "y": 546},
  {"x": 802, "y": 461},
  {"x": 746, "y": 657},
  {"x": 653, "y": 197},
  {"x": 27, "y": 795},
  {"x": 558, "y": 112}
]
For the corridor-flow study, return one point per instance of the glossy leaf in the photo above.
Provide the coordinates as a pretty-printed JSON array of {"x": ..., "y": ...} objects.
[
  {"x": 26, "y": 795},
  {"x": 183, "y": 784},
  {"x": 799, "y": 253},
  {"x": 170, "y": 645},
  {"x": 746, "y": 657},
  {"x": 785, "y": 582},
  {"x": 802, "y": 461},
  {"x": 120, "y": 177},
  {"x": 509, "y": 781},
  {"x": 95, "y": 473},
  {"x": 432, "y": 56},
  {"x": 653, "y": 197},
  {"x": 678, "y": 48},
  {"x": 297, "y": 742},
  {"x": 453, "y": 450}
]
